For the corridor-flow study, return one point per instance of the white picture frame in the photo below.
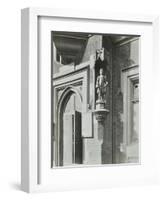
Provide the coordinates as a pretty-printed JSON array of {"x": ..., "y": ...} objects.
[{"x": 32, "y": 167}]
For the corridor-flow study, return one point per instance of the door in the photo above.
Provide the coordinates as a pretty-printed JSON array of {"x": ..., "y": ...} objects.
[
  {"x": 72, "y": 140},
  {"x": 68, "y": 139},
  {"x": 77, "y": 139}
]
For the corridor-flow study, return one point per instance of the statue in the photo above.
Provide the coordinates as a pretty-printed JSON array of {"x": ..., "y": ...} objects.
[
  {"x": 101, "y": 84},
  {"x": 100, "y": 54}
]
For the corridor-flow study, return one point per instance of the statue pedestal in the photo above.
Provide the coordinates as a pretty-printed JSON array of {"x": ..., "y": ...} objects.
[
  {"x": 100, "y": 115},
  {"x": 100, "y": 104}
]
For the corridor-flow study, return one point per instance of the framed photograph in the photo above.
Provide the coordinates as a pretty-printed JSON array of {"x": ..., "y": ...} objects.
[{"x": 88, "y": 96}]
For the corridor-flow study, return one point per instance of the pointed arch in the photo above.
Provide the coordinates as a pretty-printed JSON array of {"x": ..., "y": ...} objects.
[{"x": 64, "y": 98}]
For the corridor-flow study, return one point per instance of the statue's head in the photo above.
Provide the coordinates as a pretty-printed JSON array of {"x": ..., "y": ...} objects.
[{"x": 101, "y": 71}]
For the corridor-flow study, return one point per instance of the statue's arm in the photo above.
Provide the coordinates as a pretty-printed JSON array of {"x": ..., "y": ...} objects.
[
  {"x": 106, "y": 82},
  {"x": 97, "y": 82}
]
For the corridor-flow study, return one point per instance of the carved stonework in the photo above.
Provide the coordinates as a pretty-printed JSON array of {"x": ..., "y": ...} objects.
[
  {"x": 100, "y": 54},
  {"x": 101, "y": 114},
  {"x": 101, "y": 84},
  {"x": 100, "y": 111}
]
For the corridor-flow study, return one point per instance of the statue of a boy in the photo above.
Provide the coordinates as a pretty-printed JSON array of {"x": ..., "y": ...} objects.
[{"x": 101, "y": 84}]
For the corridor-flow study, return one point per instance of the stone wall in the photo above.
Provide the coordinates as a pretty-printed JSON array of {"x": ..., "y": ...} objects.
[
  {"x": 124, "y": 56},
  {"x": 116, "y": 58},
  {"x": 107, "y": 139}
]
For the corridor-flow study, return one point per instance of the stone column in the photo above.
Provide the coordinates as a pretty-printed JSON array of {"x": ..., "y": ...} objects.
[{"x": 100, "y": 115}]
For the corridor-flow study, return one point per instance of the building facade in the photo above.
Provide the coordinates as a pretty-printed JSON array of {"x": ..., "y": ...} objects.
[{"x": 95, "y": 102}]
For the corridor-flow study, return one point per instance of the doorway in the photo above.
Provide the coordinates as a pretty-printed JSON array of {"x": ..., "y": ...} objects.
[
  {"x": 72, "y": 147},
  {"x": 70, "y": 133}
]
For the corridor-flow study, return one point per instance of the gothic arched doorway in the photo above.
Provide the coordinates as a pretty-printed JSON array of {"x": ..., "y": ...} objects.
[{"x": 69, "y": 147}]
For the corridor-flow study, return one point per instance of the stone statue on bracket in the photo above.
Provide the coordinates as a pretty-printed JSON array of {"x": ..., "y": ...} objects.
[{"x": 101, "y": 84}]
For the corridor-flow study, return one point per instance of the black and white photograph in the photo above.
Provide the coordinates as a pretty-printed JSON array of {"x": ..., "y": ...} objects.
[
  {"x": 90, "y": 100},
  {"x": 95, "y": 99}
]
